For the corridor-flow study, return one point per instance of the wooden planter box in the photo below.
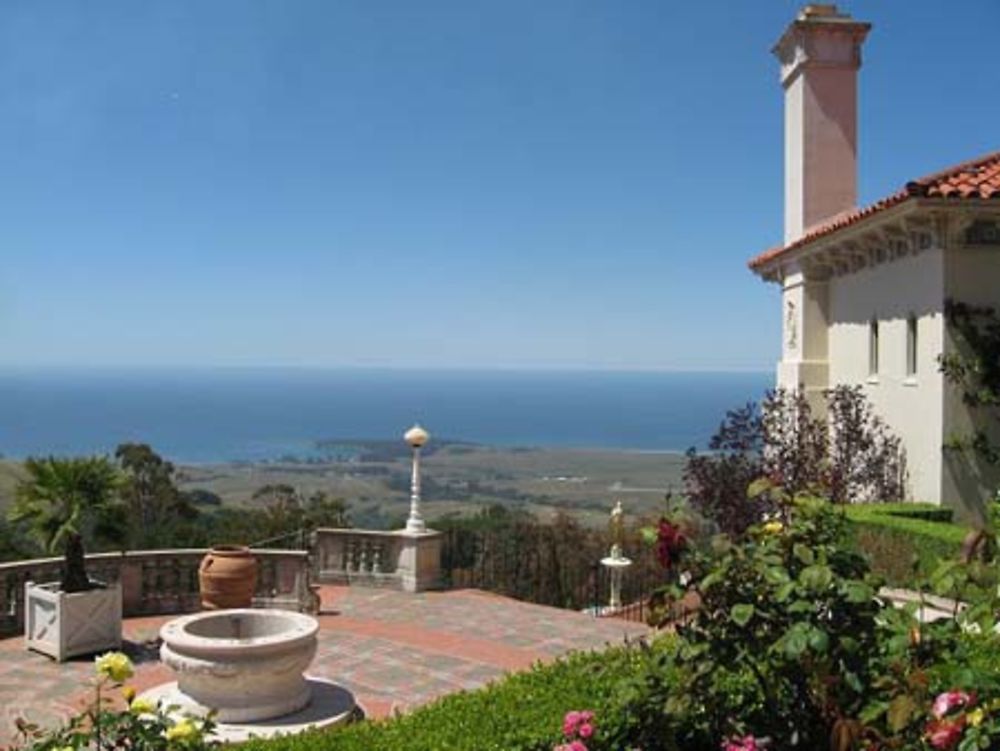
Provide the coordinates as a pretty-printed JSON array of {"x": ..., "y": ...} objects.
[{"x": 64, "y": 625}]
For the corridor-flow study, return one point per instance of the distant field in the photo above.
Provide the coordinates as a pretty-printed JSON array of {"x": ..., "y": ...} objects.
[{"x": 458, "y": 478}]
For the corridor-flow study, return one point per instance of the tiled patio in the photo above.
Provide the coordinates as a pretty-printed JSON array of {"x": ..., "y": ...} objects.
[{"x": 394, "y": 650}]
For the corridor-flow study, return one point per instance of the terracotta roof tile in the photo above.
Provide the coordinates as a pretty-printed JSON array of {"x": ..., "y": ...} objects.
[{"x": 978, "y": 178}]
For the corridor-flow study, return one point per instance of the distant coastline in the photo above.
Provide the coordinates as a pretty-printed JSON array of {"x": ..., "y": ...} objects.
[{"x": 222, "y": 416}]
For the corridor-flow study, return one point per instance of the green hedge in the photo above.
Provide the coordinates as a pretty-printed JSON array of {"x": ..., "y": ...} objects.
[
  {"x": 521, "y": 712},
  {"x": 905, "y": 541},
  {"x": 927, "y": 511}
]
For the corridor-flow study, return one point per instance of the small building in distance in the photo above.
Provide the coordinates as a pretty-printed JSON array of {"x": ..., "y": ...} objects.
[{"x": 863, "y": 290}]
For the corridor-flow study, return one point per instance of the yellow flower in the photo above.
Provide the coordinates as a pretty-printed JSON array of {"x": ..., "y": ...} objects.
[
  {"x": 128, "y": 693},
  {"x": 182, "y": 731},
  {"x": 975, "y": 717},
  {"x": 114, "y": 665},
  {"x": 63, "y": 748},
  {"x": 142, "y": 706},
  {"x": 773, "y": 528}
]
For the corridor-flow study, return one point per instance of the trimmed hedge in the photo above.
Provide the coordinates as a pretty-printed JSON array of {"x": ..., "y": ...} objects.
[
  {"x": 520, "y": 712},
  {"x": 927, "y": 511},
  {"x": 905, "y": 541}
]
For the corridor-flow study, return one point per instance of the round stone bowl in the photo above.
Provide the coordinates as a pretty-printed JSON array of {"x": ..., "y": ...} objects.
[{"x": 246, "y": 664}]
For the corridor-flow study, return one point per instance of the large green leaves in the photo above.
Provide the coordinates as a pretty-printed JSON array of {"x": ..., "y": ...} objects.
[{"x": 66, "y": 497}]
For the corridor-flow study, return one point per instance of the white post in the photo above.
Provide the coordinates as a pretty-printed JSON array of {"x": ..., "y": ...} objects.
[
  {"x": 615, "y": 600},
  {"x": 416, "y": 437}
]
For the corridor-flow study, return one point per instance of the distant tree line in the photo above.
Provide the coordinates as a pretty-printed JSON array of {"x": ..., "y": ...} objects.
[{"x": 150, "y": 511}]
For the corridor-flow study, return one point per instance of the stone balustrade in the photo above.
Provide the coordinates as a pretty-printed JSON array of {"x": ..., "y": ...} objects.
[
  {"x": 159, "y": 581},
  {"x": 398, "y": 559}
]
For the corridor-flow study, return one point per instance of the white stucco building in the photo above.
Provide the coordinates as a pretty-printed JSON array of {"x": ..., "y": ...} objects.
[{"x": 863, "y": 289}]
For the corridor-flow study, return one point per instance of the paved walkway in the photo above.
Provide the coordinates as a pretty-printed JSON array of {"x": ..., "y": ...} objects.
[{"x": 394, "y": 650}]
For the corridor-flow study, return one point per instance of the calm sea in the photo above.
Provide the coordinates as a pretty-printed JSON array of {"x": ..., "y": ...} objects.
[{"x": 252, "y": 415}]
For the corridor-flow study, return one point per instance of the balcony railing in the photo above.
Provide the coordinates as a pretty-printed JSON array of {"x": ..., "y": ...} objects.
[
  {"x": 159, "y": 581},
  {"x": 398, "y": 560}
]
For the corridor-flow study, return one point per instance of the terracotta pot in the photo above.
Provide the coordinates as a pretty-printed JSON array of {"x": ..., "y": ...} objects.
[{"x": 227, "y": 577}]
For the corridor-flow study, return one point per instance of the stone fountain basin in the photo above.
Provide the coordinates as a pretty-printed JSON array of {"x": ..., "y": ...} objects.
[{"x": 246, "y": 664}]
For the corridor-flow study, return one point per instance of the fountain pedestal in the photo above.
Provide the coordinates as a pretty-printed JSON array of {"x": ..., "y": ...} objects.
[
  {"x": 249, "y": 667},
  {"x": 616, "y": 565}
]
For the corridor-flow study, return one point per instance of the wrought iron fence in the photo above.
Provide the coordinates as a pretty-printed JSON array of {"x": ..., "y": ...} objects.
[{"x": 549, "y": 565}]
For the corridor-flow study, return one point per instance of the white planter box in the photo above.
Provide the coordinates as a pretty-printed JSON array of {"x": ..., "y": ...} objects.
[{"x": 64, "y": 625}]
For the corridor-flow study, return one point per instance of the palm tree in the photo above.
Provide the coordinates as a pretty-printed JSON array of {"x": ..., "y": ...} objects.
[{"x": 65, "y": 501}]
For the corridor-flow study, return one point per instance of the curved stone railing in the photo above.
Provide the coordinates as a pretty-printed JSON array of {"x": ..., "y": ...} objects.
[{"x": 159, "y": 581}]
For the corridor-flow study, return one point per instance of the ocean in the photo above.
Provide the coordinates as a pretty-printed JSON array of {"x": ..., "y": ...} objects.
[{"x": 264, "y": 414}]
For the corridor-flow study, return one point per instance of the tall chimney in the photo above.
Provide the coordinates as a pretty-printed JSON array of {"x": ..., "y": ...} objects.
[{"x": 820, "y": 53}]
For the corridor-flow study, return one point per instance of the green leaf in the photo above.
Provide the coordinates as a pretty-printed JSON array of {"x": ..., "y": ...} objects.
[
  {"x": 819, "y": 641},
  {"x": 776, "y": 575},
  {"x": 816, "y": 578},
  {"x": 857, "y": 592},
  {"x": 803, "y": 553},
  {"x": 850, "y": 645},
  {"x": 852, "y": 680},
  {"x": 796, "y": 643},
  {"x": 741, "y": 613},
  {"x": 874, "y": 710},
  {"x": 783, "y": 592},
  {"x": 716, "y": 577},
  {"x": 944, "y": 585},
  {"x": 796, "y": 640}
]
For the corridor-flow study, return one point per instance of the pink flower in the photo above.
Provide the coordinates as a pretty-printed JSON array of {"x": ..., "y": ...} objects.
[
  {"x": 577, "y": 746},
  {"x": 950, "y": 700},
  {"x": 746, "y": 743},
  {"x": 585, "y": 730},
  {"x": 945, "y": 734},
  {"x": 570, "y": 723}
]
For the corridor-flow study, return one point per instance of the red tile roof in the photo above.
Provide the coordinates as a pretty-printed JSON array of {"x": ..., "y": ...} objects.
[{"x": 978, "y": 178}]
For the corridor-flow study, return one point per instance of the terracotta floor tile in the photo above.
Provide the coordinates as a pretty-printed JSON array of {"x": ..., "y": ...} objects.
[{"x": 394, "y": 650}]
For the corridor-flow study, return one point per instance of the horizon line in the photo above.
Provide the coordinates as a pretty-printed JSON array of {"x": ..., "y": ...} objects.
[{"x": 52, "y": 368}]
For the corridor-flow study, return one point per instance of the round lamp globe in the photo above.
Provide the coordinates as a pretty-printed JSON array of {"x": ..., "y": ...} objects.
[{"x": 416, "y": 436}]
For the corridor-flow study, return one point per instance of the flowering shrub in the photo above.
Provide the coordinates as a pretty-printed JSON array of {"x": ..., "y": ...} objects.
[{"x": 143, "y": 725}]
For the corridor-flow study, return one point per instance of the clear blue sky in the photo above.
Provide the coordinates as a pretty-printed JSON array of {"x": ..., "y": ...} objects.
[{"x": 510, "y": 183}]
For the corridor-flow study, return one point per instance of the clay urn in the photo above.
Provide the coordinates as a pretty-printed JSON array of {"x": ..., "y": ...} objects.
[{"x": 227, "y": 577}]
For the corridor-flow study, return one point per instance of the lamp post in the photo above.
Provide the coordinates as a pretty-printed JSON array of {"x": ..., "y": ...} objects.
[{"x": 416, "y": 437}]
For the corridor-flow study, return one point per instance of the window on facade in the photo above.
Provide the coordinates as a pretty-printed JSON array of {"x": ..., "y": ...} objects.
[
  {"x": 873, "y": 347},
  {"x": 911, "y": 346}
]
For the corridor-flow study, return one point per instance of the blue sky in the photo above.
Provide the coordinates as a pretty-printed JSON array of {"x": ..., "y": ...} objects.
[{"x": 430, "y": 184}]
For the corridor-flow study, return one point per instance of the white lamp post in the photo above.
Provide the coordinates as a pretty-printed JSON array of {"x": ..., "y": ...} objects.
[{"x": 416, "y": 437}]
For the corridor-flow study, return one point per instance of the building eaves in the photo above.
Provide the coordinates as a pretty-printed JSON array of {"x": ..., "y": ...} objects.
[{"x": 975, "y": 179}]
